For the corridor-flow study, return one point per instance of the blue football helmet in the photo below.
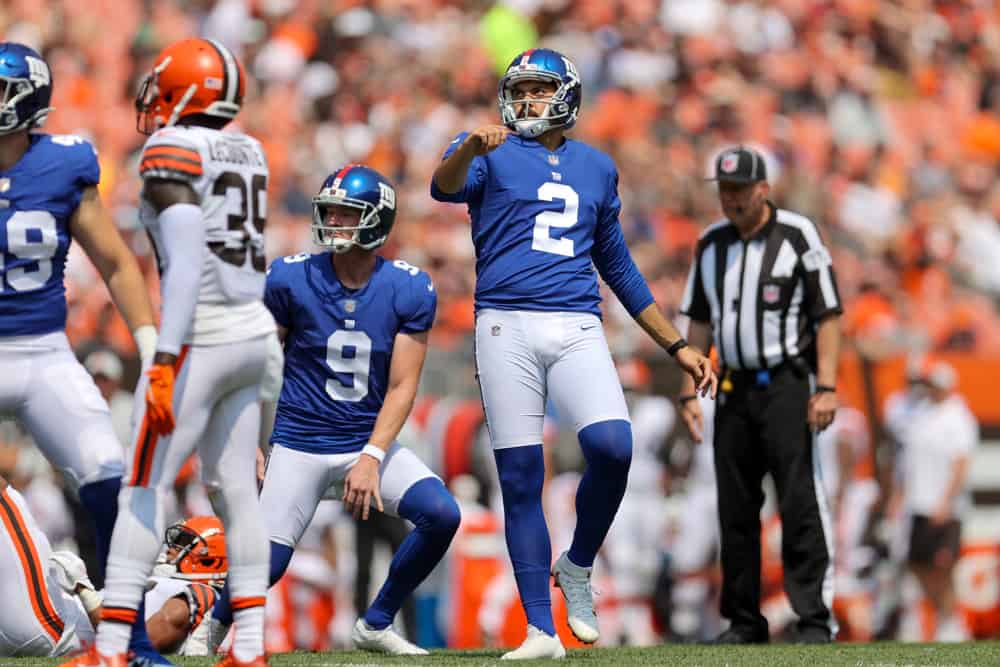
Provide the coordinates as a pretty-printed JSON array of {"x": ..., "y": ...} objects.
[
  {"x": 363, "y": 188},
  {"x": 26, "y": 88},
  {"x": 564, "y": 105}
]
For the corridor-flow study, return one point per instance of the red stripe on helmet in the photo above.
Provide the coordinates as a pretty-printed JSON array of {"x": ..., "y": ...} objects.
[{"x": 340, "y": 174}]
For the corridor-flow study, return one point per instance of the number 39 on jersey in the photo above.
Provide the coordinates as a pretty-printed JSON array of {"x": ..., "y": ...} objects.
[{"x": 228, "y": 172}]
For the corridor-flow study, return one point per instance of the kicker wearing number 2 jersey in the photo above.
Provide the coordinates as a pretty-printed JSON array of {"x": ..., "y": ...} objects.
[
  {"x": 541, "y": 221},
  {"x": 545, "y": 212}
]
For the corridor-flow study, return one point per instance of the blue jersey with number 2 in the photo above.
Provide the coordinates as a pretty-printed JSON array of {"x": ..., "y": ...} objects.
[
  {"x": 38, "y": 196},
  {"x": 541, "y": 221},
  {"x": 339, "y": 346}
]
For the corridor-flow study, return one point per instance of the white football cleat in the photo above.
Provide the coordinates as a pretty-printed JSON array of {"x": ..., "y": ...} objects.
[
  {"x": 537, "y": 644},
  {"x": 574, "y": 582},
  {"x": 383, "y": 641}
]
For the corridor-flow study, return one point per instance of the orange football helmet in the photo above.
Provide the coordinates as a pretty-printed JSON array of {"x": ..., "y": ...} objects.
[
  {"x": 193, "y": 76},
  {"x": 195, "y": 550}
]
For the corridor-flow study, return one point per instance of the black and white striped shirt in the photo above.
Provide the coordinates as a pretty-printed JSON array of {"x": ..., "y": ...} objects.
[{"x": 762, "y": 296}]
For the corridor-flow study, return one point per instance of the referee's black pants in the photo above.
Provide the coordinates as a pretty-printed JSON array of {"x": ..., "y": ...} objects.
[{"x": 760, "y": 427}]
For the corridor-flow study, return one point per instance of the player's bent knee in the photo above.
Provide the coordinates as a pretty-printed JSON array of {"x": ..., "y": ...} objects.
[
  {"x": 608, "y": 444},
  {"x": 447, "y": 517},
  {"x": 430, "y": 507}
]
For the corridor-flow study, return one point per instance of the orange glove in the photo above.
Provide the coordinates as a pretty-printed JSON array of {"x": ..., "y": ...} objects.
[{"x": 160, "y": 399}]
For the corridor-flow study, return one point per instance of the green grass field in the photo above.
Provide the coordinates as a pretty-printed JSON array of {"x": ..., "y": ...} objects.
[{"x": 973, "y": 654}]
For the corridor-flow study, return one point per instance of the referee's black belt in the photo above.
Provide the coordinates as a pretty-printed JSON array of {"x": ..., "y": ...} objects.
[{"x": 761, "y": 377}]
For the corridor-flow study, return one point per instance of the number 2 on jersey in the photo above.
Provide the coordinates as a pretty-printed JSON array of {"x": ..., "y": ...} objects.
[
  {"x": 356, "y": 365},
  {"x": 545, "y": 220}
]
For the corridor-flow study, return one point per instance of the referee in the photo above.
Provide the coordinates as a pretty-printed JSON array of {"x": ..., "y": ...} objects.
[{"x": 763, "y": 291}]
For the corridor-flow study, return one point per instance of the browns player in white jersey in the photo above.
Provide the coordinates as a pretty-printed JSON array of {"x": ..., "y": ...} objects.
[{"x": 204, "y": 204}]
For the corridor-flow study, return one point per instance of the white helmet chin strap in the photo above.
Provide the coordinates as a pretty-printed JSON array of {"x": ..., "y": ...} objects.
[
  {"x": 341, "y": 246},
  {"x": 529, "y": 128}
]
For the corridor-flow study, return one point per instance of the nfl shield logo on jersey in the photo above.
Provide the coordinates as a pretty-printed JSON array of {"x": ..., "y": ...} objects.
[
  {"x": 350, "y": 305},
  {"x": 771, "y": 294},
  {"x": 554, "y": 160},
  {"x": 4, "y": 184},
  {"x": 495, "y": 330}
]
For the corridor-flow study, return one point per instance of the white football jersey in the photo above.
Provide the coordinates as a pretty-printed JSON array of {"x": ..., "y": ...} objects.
[{"x": 228, "y": 171}]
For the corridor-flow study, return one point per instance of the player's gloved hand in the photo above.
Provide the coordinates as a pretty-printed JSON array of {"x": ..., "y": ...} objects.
[
  {"x": 699, "y": 367},
  {"x": 71, "y": 572},
  {"x": 484, "y": 139},
  {"x": 361, "y": 486},
  {"x": 160, "y": 398}
]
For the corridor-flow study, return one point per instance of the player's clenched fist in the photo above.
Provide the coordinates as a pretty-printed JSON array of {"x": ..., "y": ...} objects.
[
  {"x": 487, "y": 138},
  {"x": 160, "y": 399}
]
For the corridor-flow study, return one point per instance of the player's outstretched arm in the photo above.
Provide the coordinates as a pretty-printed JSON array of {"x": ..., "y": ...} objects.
[
  {"x": 451, "y": 174},
  {"x": 689, "y": 358},
  {"x": 93, "y": 229},
  {"x": 408, "y": 352},
  {"x": 168, "y": 627}
]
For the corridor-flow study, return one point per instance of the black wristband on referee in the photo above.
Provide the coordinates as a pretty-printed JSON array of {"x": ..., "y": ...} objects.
[
  {"x": 682, "y": 400},
  {"x": 821, "y": 388},
  {"x": 677, "y": 345}
]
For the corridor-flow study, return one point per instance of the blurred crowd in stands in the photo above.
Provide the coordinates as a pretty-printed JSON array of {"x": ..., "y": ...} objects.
[{"x": 879, "y": 119}]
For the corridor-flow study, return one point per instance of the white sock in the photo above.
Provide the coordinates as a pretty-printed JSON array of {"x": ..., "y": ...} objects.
[
  {"x": 249, "y": 562},
  {"x": 248, "y": 641},
  {"x": 134, "y": 546},
  {"x": 113, "y": 638}
]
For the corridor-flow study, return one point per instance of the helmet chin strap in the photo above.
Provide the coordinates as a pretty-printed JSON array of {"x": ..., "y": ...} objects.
[
  {"x": 529, "y": 128},
  {"x": 342, "y": 246}
]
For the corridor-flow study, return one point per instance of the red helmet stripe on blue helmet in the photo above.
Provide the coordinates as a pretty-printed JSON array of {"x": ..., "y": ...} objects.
[
  {"x": 526, "y": 56},
  {"x": 340, "y": 174}
]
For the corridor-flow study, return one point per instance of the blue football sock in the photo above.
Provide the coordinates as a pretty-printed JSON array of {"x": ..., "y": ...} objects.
[
  {"x": 435, "y": 515},
  {"x": 281, "y": 554},
  {"x": 522, "y": 471},
  {"x": 100, "y": 499},
  {"x": 607, "y": 448}
]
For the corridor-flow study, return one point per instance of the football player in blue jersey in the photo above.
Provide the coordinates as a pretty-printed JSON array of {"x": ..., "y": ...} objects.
[
  {"x": 48, "y": 197},
  {"x": 544, "y": 212},
  {"x": 355, "y": 330}
]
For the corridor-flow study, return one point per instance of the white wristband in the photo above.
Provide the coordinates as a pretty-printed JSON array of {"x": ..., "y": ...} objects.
[
  {"x": 91, "y": 599},
  {"x": 145, "y": 340},
  {"x": 376, "y": 453}
]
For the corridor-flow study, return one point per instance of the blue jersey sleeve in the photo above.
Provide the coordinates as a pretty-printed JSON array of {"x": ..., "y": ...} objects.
[
  {"x": 475, "y": 180},
  {"x": 89, "y": 169},
  {"x": 277, "y": 290},
  {"x": 416, "y": 303},
  {"x": 612, "y": 258}
]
